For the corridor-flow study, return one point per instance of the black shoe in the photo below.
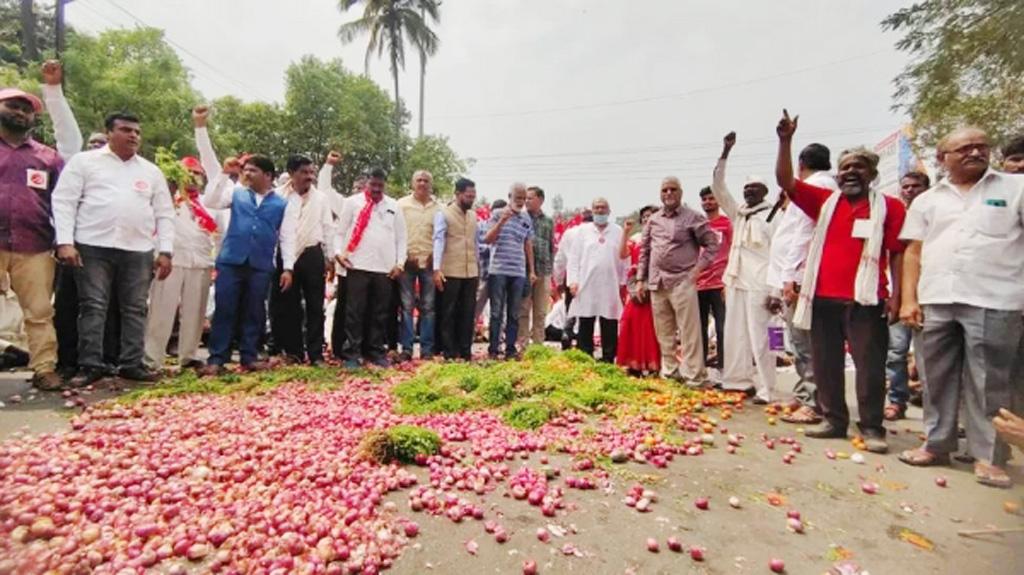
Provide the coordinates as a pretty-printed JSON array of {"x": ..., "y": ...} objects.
[
  {"x": 193, "y": 364},
  {"x": 67, "y": 373},
  {"x": 874, "y": 440},
  {"x": 87, "y": 376},
  {"x": 381, "y": 362},
  {"x": 759, "y": 401},
  {"x": 139, "y": 374},
  {"x": 826, "y": 431}
]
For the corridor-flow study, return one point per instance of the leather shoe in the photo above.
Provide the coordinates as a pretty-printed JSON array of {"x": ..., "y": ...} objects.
[
  {"x": 826, "y": 431},
  {"x": 211, "y": 370},
  {"x": 48, "y": 381},
  {"x": 139, "y": 374},
  {"x": 875, "y": 442},
  {"x": 256, "y": 366},
  {"x": 87, "y": 376}
]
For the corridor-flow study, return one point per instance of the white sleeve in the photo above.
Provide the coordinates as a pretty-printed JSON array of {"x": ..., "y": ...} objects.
[
  {"x": 344, "y": 225},
  {"x": 323, "y": 179},
  {"x": 218, "y": 193},
  {"x": 163, "y": 211},
  {"x": 65, "y": 128},
  {"x": 915, "y": 226},
  {"x": 402, "y": 248},
  {"x": 207, "y": 156},
  {"x": 573, "y": 263},
  {"x": 65, "y": 198},
  {"x": 327, "y": 218},
  {"x": 289, "y": 231},
  {"x": 721, "y": 191},
  {"x": 795, "y": 254}
]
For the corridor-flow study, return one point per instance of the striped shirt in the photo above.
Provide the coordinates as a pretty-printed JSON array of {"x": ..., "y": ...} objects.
[{"x": 508, "y": 257}]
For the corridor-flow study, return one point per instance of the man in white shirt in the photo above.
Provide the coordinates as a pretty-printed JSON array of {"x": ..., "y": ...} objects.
[
  {"x": 963, "y": 285},
  {"x": 595, "y": 274},
  {"x": 107, "y": 206},
  {"x": 787, "y": 260},
  {"x": 749, "y": 361},
  {"x": 559, "y": 270},
  {"x": 416, "y": 284},
  {"x": 306, "y": 298},
  {"x": 373, "y": 250},
  {"x": 186, "y": 290}
]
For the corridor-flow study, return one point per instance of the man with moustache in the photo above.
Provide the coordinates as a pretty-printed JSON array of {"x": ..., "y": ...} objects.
[
  {"x": 416, "y": 285},
  {"x": 844, "y": 297},
  {"x": 746, "y": 278},
  {"x": 511, "y": 269},
  {"x": 28, "y": 172},
  {"x": 964, "y": 288},
  {"x": 671, "y": 259},
  {"x": 457, "y": 270},
  {"x": 912, "y": 184},
  {"x": 107, "y": 207}
]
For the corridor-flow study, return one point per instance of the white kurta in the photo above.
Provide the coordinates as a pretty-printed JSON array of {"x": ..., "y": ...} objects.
[{"x": 594, "y": 264}]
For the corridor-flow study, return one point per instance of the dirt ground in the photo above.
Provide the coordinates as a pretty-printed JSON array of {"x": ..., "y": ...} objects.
[{"x": 885, "y": 533}]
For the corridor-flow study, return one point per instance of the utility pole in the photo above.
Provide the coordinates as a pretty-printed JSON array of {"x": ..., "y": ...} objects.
[
  {"x": 59, "y": 27},
  {"x": 30, "y": 52},
  {"x": 423, "y": 73}
]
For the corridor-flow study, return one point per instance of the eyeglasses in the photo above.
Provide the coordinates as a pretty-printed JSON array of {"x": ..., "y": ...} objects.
[{"x": 669, "y": 189}]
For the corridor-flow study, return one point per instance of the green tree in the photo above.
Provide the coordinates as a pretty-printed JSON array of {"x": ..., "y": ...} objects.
[
  {"x": 12, "y": 40},
  {"x": 967, "y": 66},
  {"x": 431, "y": 153},
  {"x": 389, "y": 23},
  {"x": 239, "y": 127},
  {"x": 135, "y": 71}
]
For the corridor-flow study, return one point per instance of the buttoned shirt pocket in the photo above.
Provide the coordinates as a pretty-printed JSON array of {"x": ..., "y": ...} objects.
[{"x": 994, "y": 218}]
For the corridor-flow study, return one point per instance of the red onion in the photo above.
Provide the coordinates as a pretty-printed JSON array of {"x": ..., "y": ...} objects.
[
  {"x": 697, "y": 553},
  {"x": 702, "y": 503},
  {"x": 777, "y": 566},
  {"x": 529, "y": 567},
  {"x": 652, "y": 544},
  {"x": 675, "y": 545}
]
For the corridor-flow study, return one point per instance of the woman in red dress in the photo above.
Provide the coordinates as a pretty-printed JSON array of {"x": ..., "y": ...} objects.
[{"x": 638, "y": 348}]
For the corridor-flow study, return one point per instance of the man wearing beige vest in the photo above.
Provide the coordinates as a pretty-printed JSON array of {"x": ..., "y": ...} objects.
[{"x": 457, "y": 271}]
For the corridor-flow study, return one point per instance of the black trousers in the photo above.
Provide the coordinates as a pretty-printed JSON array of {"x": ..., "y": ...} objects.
[
  {"x": 712, "y": 302},
  {"x": 569, "y": 332},
  {"x": 65, "y": 322},
  {"x": 393, "y": 320},
  {"x": 305, "y": 299},
  {"x": 338, "y": 329},
  {"x": 368, "y": 313},
  {"x": 833, "y": 324},
  {"x": 457, "y": 321},
  {"x": 609, "y": 337}
]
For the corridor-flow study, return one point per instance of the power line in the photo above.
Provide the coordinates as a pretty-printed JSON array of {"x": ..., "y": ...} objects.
[
  {"x": 673, "y": 96},
  {"x": 193, "y": 55}
]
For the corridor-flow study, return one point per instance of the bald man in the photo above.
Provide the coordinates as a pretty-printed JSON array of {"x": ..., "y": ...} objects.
[
  {"x": 670, "y": 261},
  {"x": 963, "y": 286}
]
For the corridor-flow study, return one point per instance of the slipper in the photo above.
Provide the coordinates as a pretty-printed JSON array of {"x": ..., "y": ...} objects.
[
  {"x": 992, "y": 476},
  {"x": 895, "y": 411},
  {"x": 804, "y": 415},
  {"x": 921, "y": 457}
]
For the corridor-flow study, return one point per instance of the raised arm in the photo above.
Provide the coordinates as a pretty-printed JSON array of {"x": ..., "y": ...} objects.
[
  {"x": 627, "y": 229},
  {"x": 325, "y": 178},
  {"x": 65, "y": 128},
  {"x": 218, "y": 193},
  {"x": 496, "y": 225},
  {"x": 718, "y": 187},
  {"x": 207, "y": 156},
  {"x": 784, "y": 161}
]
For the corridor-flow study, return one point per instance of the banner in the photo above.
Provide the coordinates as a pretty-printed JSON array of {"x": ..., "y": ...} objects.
[{"x": 895, "y": 158}]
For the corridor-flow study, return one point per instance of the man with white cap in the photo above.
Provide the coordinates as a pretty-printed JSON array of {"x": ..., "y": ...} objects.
[
  {"x": 749, "y": 362},
  {"x": 28, "y": 173}
]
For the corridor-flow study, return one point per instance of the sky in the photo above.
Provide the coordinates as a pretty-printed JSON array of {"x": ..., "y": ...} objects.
[{"x": 584, "y": 98}]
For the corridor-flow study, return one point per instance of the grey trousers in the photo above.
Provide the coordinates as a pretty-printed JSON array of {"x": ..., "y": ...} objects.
[
  {"x": 103, "y": 271},
  {"x": 805, "y": 391},
  {"x": 968, "y": 352}
]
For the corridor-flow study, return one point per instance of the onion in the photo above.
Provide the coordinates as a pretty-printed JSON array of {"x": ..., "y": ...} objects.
[
  {"x": 652, "y": 544},
  {"x": 675, "y": 545},
  {"x": 529, "y": 567},
  {"x": 940, "y": 481},
  {"x": 697, "y": 553},
  {"x": 543, "y": 535},
  {"x": 702, "y": 503},
  {"x": 869, "y": 487},
  {"x": 734, "y": 502},
  {"x": 777, "y": 566}
]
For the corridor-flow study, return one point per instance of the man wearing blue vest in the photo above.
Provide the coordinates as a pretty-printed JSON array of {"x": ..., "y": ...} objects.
[{"x": 259, "y": 218}]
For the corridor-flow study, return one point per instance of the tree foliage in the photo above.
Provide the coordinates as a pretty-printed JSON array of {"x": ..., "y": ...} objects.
[
  {"x": 967, "y": 66},
  {"x": 11, "y": 37},
  {"x": 433, "y": 154}
]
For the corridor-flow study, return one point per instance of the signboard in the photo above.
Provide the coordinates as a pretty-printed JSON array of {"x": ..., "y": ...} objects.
[{"x": 895, "y": 158}]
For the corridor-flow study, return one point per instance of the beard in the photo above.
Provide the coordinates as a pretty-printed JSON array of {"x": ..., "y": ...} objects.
[{"x": 14, "y": 124}]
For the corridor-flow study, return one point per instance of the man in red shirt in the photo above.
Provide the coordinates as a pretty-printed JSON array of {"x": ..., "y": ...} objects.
[
  {"x": 845, "y": 297},
  {"x": 710, "y": 287}
]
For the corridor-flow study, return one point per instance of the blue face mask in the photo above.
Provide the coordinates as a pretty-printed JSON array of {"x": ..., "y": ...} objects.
[{"x": 601, "y": 219}]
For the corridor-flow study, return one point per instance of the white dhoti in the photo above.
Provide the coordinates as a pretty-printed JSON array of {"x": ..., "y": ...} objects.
[
  {"x": 188, "y": 288},
  {"x": 749, "y": 361}
]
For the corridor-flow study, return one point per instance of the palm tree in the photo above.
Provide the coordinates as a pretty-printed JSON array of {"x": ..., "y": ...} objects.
[{"x": 390, "y": 23}]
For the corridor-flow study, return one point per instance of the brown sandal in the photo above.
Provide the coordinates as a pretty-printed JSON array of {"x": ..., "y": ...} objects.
[
  {"x": 805, "y": 416},
  {"x": 988, "y": 474},
  {"x": 895, "y": 411},
  {"x": 921, "y": 457}
]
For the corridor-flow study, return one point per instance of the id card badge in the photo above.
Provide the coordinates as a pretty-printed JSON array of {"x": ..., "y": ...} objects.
[
  {"x": 862, "y": 229},
  {"x": 37, "y": 179}
]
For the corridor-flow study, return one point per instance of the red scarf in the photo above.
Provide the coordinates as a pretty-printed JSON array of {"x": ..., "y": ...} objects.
[
  {"x": 199, "y": 213},
  {"x": 362, "y": 220}
]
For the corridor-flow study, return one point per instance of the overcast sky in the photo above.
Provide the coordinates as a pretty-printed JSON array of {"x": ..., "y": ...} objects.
[{"x": 585, "y": 98}]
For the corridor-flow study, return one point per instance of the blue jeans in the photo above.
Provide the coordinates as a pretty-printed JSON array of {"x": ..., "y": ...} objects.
[
  {"x": 506, "y": 294},
  {"x": 424, "y": 301},
  {"x": 240, "y": 290},
  {"x": 900, "y": 337}
]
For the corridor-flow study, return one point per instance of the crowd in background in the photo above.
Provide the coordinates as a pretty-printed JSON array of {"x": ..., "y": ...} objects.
[{"x": 102, "y": 244}]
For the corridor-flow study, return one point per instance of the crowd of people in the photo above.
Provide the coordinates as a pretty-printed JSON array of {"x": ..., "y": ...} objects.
[{"x": 706, "y": 296}]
